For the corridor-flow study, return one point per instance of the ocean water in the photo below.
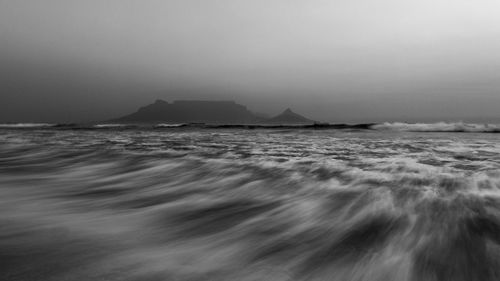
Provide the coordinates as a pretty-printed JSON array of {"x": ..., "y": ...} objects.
[{"x": 230, "y": 204}]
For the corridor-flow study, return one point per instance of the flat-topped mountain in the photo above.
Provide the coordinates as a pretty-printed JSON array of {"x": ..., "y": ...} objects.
[
  {"x": 210, "y": 112},
  {"x": 184, "y": 111},
  {"x": 289, "y": 117}
]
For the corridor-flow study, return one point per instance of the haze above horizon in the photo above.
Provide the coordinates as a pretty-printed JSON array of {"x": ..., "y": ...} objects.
[{"x": 334, "y": 61}]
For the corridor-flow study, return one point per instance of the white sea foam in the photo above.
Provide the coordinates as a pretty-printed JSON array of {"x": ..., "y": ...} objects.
[
  {"x": 438, "y": 127},
  {"x": 26, "y": 125},
  {"x": 110, "y": 125},
  {"x": 166, "y": 125},
  {"x": 240, "y": 205}
]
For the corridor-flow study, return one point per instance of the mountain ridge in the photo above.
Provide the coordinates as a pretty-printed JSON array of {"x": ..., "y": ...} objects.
[{"x": 206, "y": 111}]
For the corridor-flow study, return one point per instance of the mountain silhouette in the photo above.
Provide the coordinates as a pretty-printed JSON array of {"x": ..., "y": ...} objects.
[
  {"x": 210, "y": 112},
  {"x": 184, "y": 111},
  {"x": 289, "y": 117}
]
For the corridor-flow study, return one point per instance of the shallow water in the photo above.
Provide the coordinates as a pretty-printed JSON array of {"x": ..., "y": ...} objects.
[{"x": 249, "y": 205}]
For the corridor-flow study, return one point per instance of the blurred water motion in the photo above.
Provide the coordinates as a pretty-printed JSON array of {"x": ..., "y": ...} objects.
[{"x": 248, "y": 205}]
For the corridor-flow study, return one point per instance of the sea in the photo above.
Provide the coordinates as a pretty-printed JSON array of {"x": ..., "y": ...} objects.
[{"x": 395, "y": 201}]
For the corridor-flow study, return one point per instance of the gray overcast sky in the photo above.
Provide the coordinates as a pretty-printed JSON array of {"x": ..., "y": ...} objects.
[{"x": 336, "y": 60}]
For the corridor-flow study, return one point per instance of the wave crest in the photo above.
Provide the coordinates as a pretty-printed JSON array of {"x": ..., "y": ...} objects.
[
  {"x": 26, "y": 125},
  {"x": 439, "y": 127}
]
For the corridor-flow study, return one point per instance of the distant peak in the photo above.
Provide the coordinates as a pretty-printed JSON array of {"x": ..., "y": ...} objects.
[{"x": 290, "y": 117}]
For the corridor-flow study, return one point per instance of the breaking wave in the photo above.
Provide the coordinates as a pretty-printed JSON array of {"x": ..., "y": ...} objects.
[
  {"x": 439, "y": 127},
  {"x": 108, "y": 126},
  {"x": 167, "y": 125},
  {"x": 25, "y": 125}
]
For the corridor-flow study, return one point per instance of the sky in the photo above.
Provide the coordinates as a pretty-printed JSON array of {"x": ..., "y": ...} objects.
[{"x": 336, "y": 61}]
